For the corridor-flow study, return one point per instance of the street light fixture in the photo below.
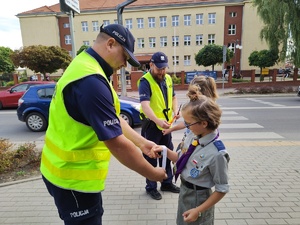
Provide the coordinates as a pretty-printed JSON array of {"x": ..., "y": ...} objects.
[{"x": 233, "y": 46}]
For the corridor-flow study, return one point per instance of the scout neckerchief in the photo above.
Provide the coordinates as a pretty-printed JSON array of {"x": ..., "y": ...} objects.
[{"x": 180, "y": 164}]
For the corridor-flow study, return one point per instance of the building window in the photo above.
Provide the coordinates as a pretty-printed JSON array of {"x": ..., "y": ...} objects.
[
  {"x": 140, "y": 42},
  {"x": 187, "y": 60},
  {"x": 152, "y": 42},
  {"x": 140, "y": 23},
  {"x": 211, "y": 39},
  {"x": 106, "y": 22},
  {"x": 199, "y": 19},
  {"x": 231, "y": 46},
  {"x": 86, "y": 43},
  {"x": 163, "y": 42},
  {"x": 128, "y": 24},
  {"x": 187, "y": 40},
  {"x": 187, "y": 20},
  {"x": 233, "y": 14},
  {"x": 116, "y": 22},
  {"x": 66, "y": 25},
  {"x": 175, "y": 21},
  {"x": 199, "y": 39},
  {"x": 68, "y": 39},
  {"x": 84, "y": 26},
  {"x": 211, "y": 18},
  {"x": 151, "y": 22},
  {"x": 95, "y": 25},
  {"x": 163, "y": 21},
  {"x": 175, "y": 60},
  {"x": 175, "y": 40},
  {"x": 232, "y": 29}
]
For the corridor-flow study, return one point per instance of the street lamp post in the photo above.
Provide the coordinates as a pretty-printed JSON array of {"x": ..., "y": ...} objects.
[
  {"x": 120, "y": 9},
  {"x": 235, "y": 45},
  {"x": 236, "y": 67}
]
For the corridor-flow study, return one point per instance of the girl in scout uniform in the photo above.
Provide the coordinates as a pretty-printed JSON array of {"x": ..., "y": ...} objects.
[{"x": 202, "y": 162}]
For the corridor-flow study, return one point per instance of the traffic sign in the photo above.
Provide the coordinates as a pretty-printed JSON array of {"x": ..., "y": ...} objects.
[{"x": 73, "y": 4}]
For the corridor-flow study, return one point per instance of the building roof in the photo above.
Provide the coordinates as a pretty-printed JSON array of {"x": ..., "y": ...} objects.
[{"x": 87, "y": 5}]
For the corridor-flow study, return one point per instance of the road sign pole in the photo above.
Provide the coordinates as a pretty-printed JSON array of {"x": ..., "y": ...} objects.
[
  {"x": 69, "y": 7},
  {"x": 223, "y": 65},
  {"x": 72, "y": 33}
]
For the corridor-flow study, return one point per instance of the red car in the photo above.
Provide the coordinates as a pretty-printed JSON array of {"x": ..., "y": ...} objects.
[{"x": 9, "y": 98}]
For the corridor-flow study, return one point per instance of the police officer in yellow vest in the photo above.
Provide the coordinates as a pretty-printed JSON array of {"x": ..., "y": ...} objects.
[
  {"x": 159, "y": 105},
  {"x": 84, "y": 129}
]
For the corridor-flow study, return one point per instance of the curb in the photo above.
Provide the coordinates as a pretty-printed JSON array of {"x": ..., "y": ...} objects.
[{"x": 20, "y": 181}]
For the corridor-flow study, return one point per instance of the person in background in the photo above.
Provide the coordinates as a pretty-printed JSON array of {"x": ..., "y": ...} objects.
[
  {"x": 203, "y": 165},
  {"x": 202, "y": 84},
  {"x": 158, "y": 107},
  {"x": 85, "y": 129}
]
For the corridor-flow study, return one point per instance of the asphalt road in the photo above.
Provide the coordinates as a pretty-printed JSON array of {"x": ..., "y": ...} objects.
[{"x": 248, "y": 118}]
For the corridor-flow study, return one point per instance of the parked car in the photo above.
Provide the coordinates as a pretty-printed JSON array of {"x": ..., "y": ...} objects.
[
  {"x": 9, "y": 97},
  {"x": 33, "y": 108},
  {"x": 130, "y": 110},
  {"x": 298, "y": 91}
]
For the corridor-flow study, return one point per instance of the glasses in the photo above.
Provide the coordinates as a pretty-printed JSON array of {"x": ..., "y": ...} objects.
[{"x": 187, "y": 125}]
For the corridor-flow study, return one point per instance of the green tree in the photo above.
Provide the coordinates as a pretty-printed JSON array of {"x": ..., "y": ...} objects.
[
  {"x": 262, "y": 59},
  {"x": 43, "y": 59},
  {"x": 6, "y": 63},
  {"x": 282, "y": 27},
  {"x": 82, "y": 48},
  {"x": 212, "y": 54}
]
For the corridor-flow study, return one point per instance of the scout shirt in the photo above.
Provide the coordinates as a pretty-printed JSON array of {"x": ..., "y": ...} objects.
[{"x": 208, "y": 164}]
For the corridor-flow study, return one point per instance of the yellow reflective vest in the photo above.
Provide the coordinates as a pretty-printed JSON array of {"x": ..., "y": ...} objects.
[
  {"x": 157, "y": 100},
  {"x": 73, "y": 157}
]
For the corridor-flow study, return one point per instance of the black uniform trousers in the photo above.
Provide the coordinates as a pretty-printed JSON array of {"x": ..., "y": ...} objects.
[{"x": 152, "y": 133}]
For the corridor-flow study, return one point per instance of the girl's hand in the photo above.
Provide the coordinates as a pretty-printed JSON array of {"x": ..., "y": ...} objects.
[
  {"x": 167, "y": 131},
  {"x": 157, "y": 149},
  {"x": 177, "y": 117},
  {"x": 190, "y": 215}
]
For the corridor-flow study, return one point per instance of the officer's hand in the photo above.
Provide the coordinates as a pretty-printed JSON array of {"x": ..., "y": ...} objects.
[
  {"x": 164, "y": 124},
  {"x": 146, "y": 148},
  {"x": 157, "y": 150},
  {"x": 159, "y": 175}
]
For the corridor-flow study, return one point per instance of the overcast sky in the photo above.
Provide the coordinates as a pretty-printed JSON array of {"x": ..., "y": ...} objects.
[{"x": 10, "y": 33}]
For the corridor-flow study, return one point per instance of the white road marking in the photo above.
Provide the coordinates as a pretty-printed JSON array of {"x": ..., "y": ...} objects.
[
  {"x": 249, "y": 135},
  {"x": 264, "y": 102},
  {"x": 223, "y": 118},
  {"x": 240, "y": 125}
]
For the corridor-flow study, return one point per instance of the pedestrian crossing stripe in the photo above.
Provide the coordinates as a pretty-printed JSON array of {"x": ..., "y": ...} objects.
[
  {"x": 240, "y": 125},
  {"x": 249, "y": 135}
]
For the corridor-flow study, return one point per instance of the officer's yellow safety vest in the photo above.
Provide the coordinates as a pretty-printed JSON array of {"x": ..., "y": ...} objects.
[
  {"x": 157, "y": 101},
  {"x": 72, "y": 156}
]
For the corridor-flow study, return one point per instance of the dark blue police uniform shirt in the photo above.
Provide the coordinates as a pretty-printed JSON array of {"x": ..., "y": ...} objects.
[{"x": 89, "y": 101}]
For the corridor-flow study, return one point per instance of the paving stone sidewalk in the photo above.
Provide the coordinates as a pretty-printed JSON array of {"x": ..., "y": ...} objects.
[{"x": 265, "y": 190}]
